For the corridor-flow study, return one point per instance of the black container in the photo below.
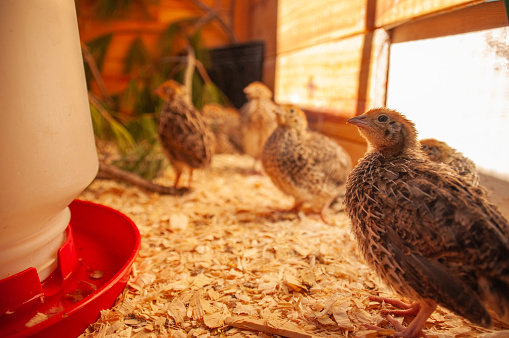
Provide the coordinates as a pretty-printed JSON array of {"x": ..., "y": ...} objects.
[{"x": 234, "y": 67}]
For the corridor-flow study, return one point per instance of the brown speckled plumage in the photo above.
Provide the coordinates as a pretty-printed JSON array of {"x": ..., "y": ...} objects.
[
  {"x": 439, "y": 151},
  {"x": 304, "y": 164},
  {"x": 257, "y": 118},
  {"x": 430, "y": 234},
  {"x": 224, "y": 122},
  {"x": 185, "y": 138}
]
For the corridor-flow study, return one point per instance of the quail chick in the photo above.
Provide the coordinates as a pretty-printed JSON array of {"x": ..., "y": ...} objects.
[
  {"x": 306, "y": 165},
  {"x": 439, "y": 151},
  {"x": 185, "y": 138},
  {"x": 430, "y": 234},
  {"x": 257, "y": 119},
  {"x": 225, "y": 124}
]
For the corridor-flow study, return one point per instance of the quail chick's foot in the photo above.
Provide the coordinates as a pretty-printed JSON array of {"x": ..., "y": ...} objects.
[
  {"x": 405, "y": 308},
  {"x": 278, "y": 212},
  {"x": 400, "y": 329},
  {"x": 257, "y": 168},
  {"x": 421, "y": 311},
  {"x": 324, "y": 213}
]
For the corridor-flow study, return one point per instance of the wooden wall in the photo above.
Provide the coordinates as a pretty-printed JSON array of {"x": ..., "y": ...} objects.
[
  {"x": 332, "y": 57},
  {"x": 243, "y": 17},
  {"x": 262, "y": 16}
]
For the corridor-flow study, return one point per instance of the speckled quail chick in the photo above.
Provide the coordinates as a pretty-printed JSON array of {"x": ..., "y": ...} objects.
[
  {"x": 225, "y": 124},
  {"x": 430, "y": 234},
  {"x": 257, "y": 119},
  {"x": 185, "y": 138},
  {"x": 440, "y": 151},
  {"x": 304, "y": 164}
]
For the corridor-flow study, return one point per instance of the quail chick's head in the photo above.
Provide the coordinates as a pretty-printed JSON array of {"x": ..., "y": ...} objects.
[
  {"x": 387, "y": 130},
  {"x": 291, "y": 117},
  {"x": 171, "y": 89},
  {"x": 436, "y": 150},
  {"x": 257, "y": 90},
  {"x": 441, "y": 152}
]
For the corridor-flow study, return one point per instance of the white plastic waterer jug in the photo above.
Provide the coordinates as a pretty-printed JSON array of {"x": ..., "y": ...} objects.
[{"x": 47, "y": 150}]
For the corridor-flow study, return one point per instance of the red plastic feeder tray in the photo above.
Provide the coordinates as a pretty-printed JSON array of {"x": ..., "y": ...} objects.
[{"x": 94, "y": 266}]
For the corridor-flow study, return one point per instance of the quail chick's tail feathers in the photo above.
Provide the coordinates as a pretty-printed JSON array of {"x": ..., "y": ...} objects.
[{"x": 495, "y": 291}]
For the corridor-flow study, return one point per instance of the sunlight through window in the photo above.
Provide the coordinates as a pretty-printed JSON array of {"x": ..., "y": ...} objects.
[{"x": 456, "y": 89}]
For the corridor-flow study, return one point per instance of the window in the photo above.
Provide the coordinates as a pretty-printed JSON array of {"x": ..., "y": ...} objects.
[
  {"x": 456, "y": 89},
  {"x": 443, "y": 63}
]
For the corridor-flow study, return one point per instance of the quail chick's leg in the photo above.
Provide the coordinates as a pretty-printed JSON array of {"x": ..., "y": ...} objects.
[
  {"x": 257, "y": 167},
  {"x": 324, "y": 212},
  {"x": 177, "y": 178},
  {"x": 190, "y": 177}
]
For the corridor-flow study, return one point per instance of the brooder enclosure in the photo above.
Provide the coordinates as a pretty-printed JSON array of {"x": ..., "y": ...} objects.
[{"x": 225, "y": 256}]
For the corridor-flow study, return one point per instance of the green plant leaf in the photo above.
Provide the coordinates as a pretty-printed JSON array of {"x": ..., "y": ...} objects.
[
  {"x": 128, "y": 97},
  {"x": 107, "y": 127},
  {"x": 175, "y": 36},
  {"x": 137, "y": 56},
  {"x": 109, "y": 9},
  {"x": 99, "y": 47}
]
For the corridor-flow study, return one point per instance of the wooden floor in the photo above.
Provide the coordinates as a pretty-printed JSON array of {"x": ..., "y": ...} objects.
[{"x": 227, "y": 260}]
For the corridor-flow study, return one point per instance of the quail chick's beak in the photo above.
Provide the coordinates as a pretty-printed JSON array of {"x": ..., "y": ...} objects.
[{"x": 359, "y": 121}]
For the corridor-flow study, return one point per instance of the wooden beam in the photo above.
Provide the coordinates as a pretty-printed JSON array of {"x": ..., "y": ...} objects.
[
  {"x": 390, "y": 13},
  {"x": 479, "y": 17}
]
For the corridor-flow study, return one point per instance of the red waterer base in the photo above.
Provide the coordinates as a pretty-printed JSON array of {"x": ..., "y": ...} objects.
[{"x": 93, "y": 268}]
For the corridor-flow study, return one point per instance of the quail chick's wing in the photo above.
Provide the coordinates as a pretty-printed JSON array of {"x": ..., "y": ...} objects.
[
  {"x": 429, "y": 233},
  {"x": 439, "y": 151},
  {"x": 287, "y": 162},
  {"x": 329, "y": 157},
  {"x": 438, "y": 233}
]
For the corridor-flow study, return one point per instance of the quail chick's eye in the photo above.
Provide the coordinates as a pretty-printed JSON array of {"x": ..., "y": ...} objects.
[
  {"x": 382, "y": 118},
  {"x": 424, "y": 147},
  {"x": 292, "y": 111}
]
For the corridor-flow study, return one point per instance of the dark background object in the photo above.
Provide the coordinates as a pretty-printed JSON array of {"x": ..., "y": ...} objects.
[{"x": 232, "y": 68}]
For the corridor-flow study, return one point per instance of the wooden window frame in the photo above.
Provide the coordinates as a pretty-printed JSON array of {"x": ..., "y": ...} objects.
[{"x": 480, "y": 16}]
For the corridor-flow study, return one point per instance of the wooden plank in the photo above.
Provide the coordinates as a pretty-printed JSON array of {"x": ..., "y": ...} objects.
[
  {"x": 327, "y": 77},
  {"x": 479, "y": 17},
  {"x": 392, "y": 12},
  {"x": 323, "y": 77},
  {"x": 307, "y": 23},
  {"x": 263, "y": 26}
]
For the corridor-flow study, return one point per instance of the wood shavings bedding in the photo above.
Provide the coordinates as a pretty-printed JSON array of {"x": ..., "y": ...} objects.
[{"x": 227, "y": 260}]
